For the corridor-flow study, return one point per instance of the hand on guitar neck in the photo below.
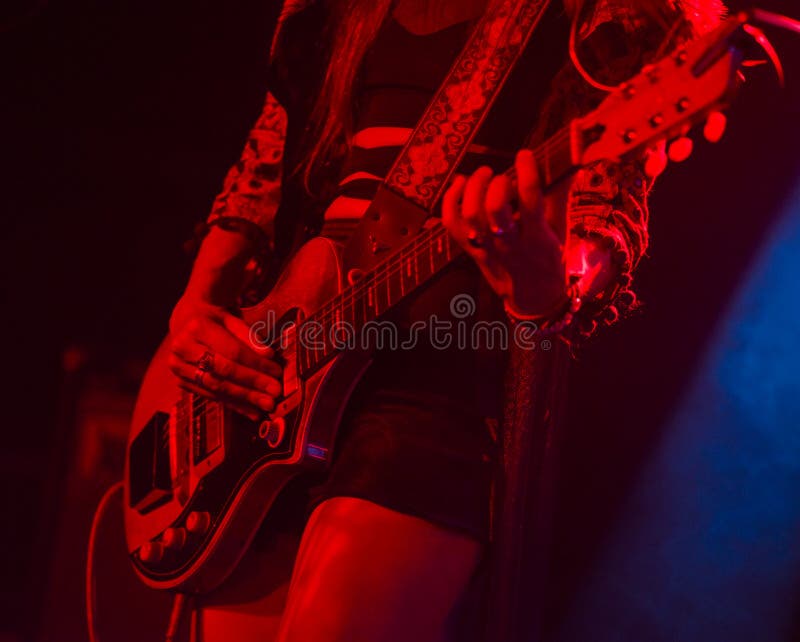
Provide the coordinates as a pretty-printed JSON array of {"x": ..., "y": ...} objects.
[
  {"x": 211, "y": 353},
  {"x": 518, "y": 238}
]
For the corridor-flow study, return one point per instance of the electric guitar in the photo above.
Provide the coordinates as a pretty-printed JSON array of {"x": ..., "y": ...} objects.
[{"x": 200, "y": 478}]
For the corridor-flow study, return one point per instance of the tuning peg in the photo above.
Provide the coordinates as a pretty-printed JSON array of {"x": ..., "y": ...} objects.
[
  {"x": 680, "y": 149},
  {"x": 655, "y": 161},
  {"x": 715, "y": 126}
]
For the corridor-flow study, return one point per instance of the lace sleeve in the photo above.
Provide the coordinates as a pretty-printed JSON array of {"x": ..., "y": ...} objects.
[
  {"x": 608, "y": 201},
  {"x": 251, "y": 192}
]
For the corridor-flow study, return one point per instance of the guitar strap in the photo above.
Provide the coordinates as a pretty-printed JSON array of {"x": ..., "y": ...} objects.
[{"x": 435, "y": 148}]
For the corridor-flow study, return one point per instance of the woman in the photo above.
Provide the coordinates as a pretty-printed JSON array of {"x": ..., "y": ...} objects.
[{"x": 396, "y": 534}]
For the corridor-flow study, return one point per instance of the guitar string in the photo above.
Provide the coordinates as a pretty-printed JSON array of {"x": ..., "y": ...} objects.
[
  {"x": 381, "y": 272},
  {"x": 358, "y": 289}
]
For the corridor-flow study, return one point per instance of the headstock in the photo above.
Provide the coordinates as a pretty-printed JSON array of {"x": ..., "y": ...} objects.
[{"x": 665, "y": 99}]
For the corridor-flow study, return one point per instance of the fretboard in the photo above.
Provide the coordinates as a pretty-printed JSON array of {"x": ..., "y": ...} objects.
[{"x": 332, "y": 328}]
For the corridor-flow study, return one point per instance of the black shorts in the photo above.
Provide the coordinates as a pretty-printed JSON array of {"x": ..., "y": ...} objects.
[{"x": 417, "y": 438}]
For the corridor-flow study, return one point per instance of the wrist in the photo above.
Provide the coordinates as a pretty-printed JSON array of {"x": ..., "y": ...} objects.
[
  {"x": 547, "y": 312},
  {"x": 220, "y": 268},
  {"x": 560, "y": 318}
]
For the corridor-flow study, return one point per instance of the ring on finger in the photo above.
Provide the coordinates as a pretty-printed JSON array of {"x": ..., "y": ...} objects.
[
  {"x": 475, "y": 239},
  {"x": 206, "y": 362},
  {"x": 199, "y": 374},
  {"x": 499, "y": 231}
]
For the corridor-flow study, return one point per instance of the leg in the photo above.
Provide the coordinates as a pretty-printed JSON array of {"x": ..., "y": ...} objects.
[
  {"x": 367, "y": 573},
  {"x": 249, "y": 605}
]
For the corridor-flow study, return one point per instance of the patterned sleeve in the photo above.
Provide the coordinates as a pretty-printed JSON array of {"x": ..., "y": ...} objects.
[
  {"x": 251, "y": 192},
  {"x": 608, "y": 201}
]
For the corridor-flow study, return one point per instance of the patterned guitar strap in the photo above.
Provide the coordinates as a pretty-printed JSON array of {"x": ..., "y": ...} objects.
[{"x": 434, "y": 150}]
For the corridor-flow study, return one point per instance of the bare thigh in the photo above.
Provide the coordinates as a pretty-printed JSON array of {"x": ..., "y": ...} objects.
[
  {"x": 249, "y": 606},
  {"x": 362, "y": 572},
  {"x": 367, "y": 573}
]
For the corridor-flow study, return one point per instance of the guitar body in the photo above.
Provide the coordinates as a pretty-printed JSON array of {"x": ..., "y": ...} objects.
[{"x": 200, "y": 478}]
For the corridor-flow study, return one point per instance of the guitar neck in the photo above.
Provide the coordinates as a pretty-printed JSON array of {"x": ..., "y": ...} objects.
[{"x": 404, "y": 272}]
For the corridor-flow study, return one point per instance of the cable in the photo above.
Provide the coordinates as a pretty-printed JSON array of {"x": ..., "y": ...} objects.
[
  {"x": 179, "y": 606},
  {"x": 90, "y": 587}
]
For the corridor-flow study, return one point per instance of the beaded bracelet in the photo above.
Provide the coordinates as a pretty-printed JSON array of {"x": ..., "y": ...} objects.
[{"x": 546, "y": 325}]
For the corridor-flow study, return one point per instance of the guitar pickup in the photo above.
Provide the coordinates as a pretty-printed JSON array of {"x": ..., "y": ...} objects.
[{"x": 149, "y": 465}]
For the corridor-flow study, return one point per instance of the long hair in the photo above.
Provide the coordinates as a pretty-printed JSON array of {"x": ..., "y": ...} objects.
[{"x": 354, "y": 25}]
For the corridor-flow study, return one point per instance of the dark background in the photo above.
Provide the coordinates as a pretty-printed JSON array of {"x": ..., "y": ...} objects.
[{"x": 119, "y": 120}]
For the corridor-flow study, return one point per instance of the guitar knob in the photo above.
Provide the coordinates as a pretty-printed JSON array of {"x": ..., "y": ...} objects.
[
  {"x": 174, "y": 538},
  {"x": 276, "y": 432},
  {"x": 680, "y": 149},
  {"x": 198, "y": 522},
  {"x": 151, "y": 552},
  {"x": 715, "y": 127},
  {"x": 656, "y": 162}
]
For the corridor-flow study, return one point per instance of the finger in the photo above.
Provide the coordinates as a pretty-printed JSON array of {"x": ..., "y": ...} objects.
[
  {"x": 452, "y": 219},
  {"x": 244, "y": 409},
  {"x": 472, "y": 207},
  {"x": 224, "y": 389},
  {"x": 528, "y": 186},
  {"x": 225, "y": 368},
  {"x": 239, "y": 329},
  {"x": 213, "y": 334},
  {"x": 451, "y": 202},
  {"x": 499, "y": 211}
]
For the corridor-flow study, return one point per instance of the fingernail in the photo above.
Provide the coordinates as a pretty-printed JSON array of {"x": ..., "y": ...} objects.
[{"x": 265, "y": 402}]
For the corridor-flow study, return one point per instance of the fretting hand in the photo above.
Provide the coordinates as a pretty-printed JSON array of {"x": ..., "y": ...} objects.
[{"x": 514, "y": 234}]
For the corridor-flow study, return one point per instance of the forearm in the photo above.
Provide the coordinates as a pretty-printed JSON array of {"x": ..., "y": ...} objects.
[{"x": 220, "y": 269}]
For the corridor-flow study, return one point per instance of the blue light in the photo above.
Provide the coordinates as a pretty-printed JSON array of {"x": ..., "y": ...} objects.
[{"x": 708, "y": 545}]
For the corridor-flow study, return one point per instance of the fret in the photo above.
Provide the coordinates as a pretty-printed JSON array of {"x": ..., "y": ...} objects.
[
  {"x": 408, "y": 269},
  {"x": 422, "y": 265},
  {"x": 400, "y": 268},
  {"x": 394, "y": 282},
  {"x": 437, "y": 243},
  {"x": 371, "y": 299},
  {"x": 366, "y": 298},
  {"x": 349, "y": 311},
  {"x": 381, "y": 289},
  {"x": 337, "y": 316}
]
